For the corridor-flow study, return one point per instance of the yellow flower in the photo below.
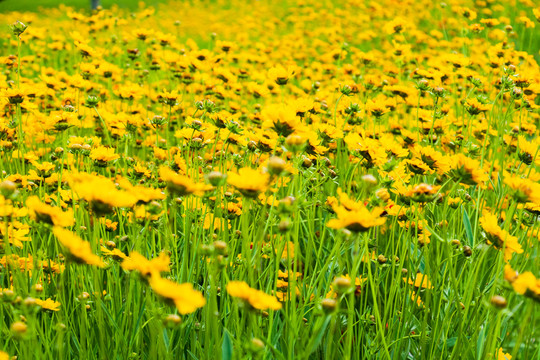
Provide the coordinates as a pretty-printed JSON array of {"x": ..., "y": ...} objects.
[
  {"x": 142, "y": 193},
  {"x": 417, "y": 166},
  {"x": 370, "y": 149},
  {"x": 4, "y": 356},
  {"x": 249, "y": 182},
  {"x": 502, "y": 356},
  {"x": 536, "y": 13},
  {"x": 280, "y": 118},
  {"x": 422, "y": 193},
  {"x": 467, "y": 171},
  {"x": 102, "y": 155},
  {"x": 432, "y": 158},
  {"x": 79, "y": 249},
  {"x": 48, "y": 214},
  {"x": 524, "y": 190},
  {"x": 420, "y": 281},
  {"x": 498, "y": 237},
  {"x": 100, "y": 192},
  {"x": 528, "y": 151},
  {"x": 280, "y": 75},
  {"x": 114, "y": 253},
  {"x": 527, "y": 284},
  {"x": 15, "y": 96},
  {"x": 475, "y": 107},
  {"x": 396, "y": 26},
  {"x": 184, "y": 297},
  {"x": 181, "y": 185},
  {"x": 44, "y": 169},
  {"x": 255, "y": 298},
  {"x": 510, "y": 274},
  {"x": 169, "y": 98},
  {"x": 137, "y": 262},
  {"x": 376, "y": 107},
  {"x": 357, "y": 220},
  {"x": 48, "y": 304},
  {"x": 86, "y": 50}
]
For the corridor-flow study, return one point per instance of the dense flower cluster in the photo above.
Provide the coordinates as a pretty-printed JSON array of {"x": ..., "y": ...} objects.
[{"x": 187, "y": 180}]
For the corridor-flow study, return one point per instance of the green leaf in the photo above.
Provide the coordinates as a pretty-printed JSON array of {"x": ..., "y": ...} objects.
[
  {"x": 226, "y": 346},
  {"x": 320, "y": 335},
  {"x": 468, "y": 228},
  {"x": 480, "y": 342}
]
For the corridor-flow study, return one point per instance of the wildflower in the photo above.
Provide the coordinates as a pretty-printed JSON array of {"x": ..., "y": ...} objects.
[
  {"x": 48, "y": 214},
  {"x": 280, "y": 118},
  {"x": 536, "y": 12},
  {"x": 498, "y": 237},
  {"x": 357, "y": 220},
  {"x": 280, "y": 75},
  {"x": 145, "y": 267},
  {"x": 249, "y": 182},
  {"x": 528, "y": 151},
  {"x": 501, "y": 355},
  {"x": 396, "y": 26},
  {"x": 14, "y": 95},
  {"x": 181, "y": 185},
  {"x": 100, "y": 192},
  {"x": 467, "y": 171},
  {"x": 416, "y": 298},
  {"x": 114, "y": 253},
  {"x": 376, "y": 108},
  {"x": 420, "y": 281},
  {"x": 523, "y": 190},
  {"x": 252, "y": 297},
  {"x": 183, "y": 296},
  {"x": 79, "y": 250},
  {"x": 103, "y": 155},
  {"x": 474, "y": 107},
  {"x": 86, "y": 50},
  {"x": 169, "y": 98},
  {"x": 422, "y": 193},
  {"x": 48, "y": 304},
  {"x": 276, "y": 165}
]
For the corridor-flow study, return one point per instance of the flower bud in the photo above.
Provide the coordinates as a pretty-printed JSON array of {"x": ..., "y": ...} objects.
[
  {"x": 19, "y": 328},
  {"x": 276, "y": 165},
  {"x": 91, "y": 101},
  {"x": 220, "y": 247},
  {"x": 256, "y": 345},
  {"x": 369, "y": 179},
  {"x": 329, "y": 305},
  {"x": 7, "y": 188},
  {"x": 341, "y": 284},
  {"x": 499, "y": 302},
  {"x": 18, "y": 27},
  {"x": 172, "y": 320}
]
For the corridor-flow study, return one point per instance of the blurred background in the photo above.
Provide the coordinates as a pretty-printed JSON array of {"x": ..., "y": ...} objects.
[{"x": 35, "y": 5}]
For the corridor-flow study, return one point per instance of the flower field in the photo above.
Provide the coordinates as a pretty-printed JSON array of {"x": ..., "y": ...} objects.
[{"x": 271, "y": 180}]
